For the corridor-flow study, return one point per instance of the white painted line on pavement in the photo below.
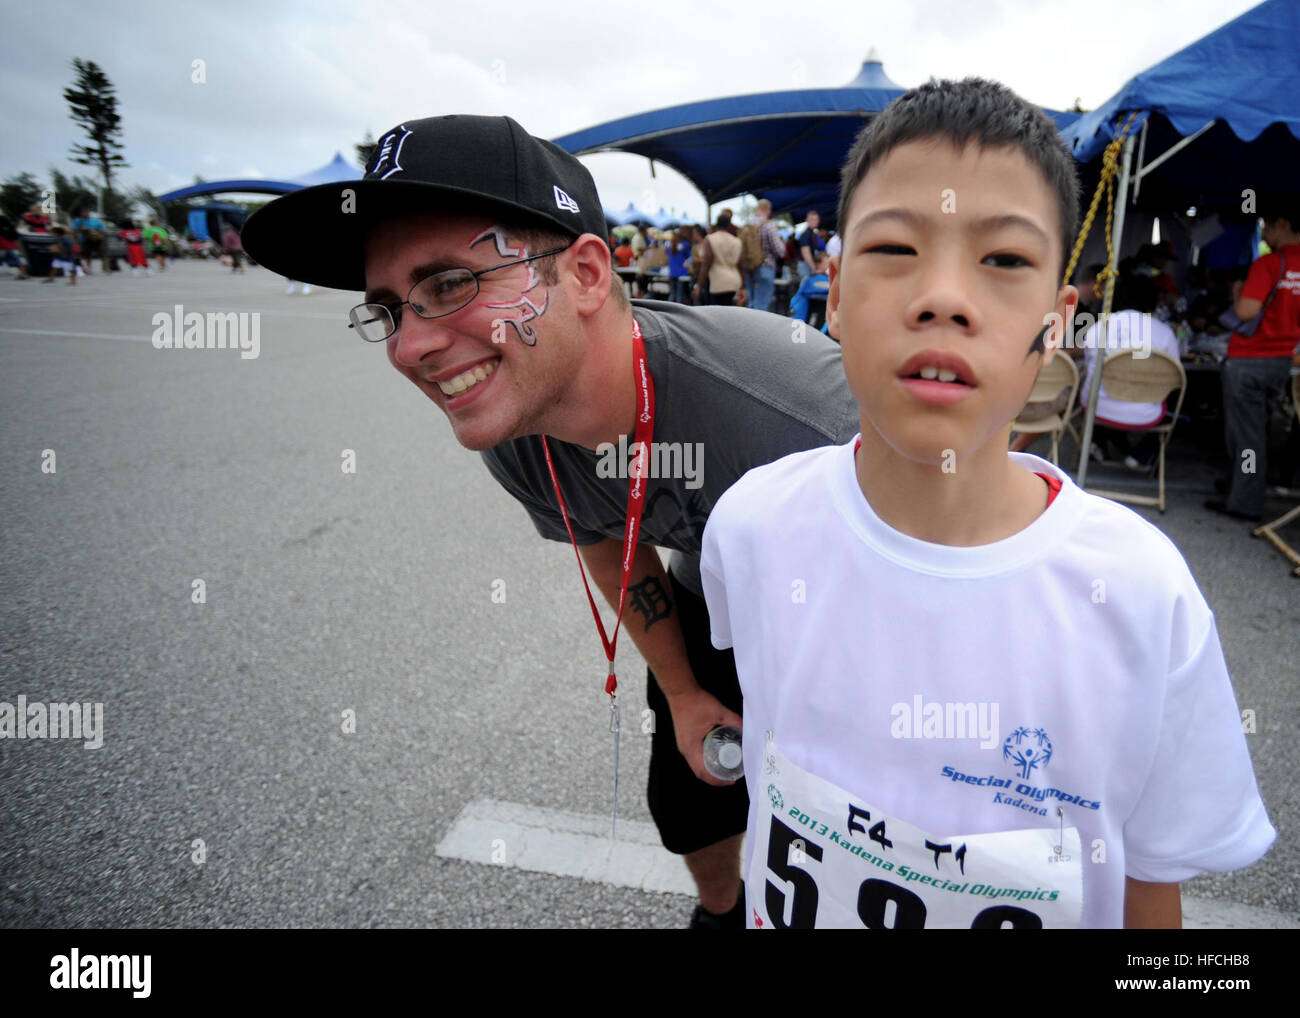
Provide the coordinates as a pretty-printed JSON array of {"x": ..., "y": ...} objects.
[
  {"x": 79, "y": 335},
  {"x": 203, "y": 307},
  {"x": 1217, "y": 914},
  {"x": 565, "y": 845},
  {"x": 578, "y": 845}
]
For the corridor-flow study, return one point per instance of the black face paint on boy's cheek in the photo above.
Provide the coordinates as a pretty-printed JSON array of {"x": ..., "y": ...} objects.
[{"x": 1037, "y": 345}]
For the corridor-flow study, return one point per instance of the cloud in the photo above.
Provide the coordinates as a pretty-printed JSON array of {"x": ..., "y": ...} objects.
[{"x": 289, "y": 84}]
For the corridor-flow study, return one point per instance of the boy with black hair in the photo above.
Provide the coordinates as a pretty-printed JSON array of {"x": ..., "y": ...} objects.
[{"x": 917, "y": 756}]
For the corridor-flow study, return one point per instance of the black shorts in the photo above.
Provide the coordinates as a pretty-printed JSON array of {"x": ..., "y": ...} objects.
[{"x": 690, "y": 814}]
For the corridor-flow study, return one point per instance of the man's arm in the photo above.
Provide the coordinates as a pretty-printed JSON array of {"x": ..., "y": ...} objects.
[
  {"x": 806, "y": 253},
  {"x": 1247, "y": 308},
  {"x": 1258, "y": 281},
  {"x": 1150, "y": 906},
  {"x": 650, "y": 618},
  {"x": 706, "y": 259}
]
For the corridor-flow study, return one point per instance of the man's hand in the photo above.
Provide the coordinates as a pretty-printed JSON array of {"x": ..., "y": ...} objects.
[{"x": 695, "y": 712}]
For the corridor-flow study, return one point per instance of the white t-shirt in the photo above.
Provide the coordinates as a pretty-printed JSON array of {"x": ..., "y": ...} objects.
[
  {"x": 1126, "y": 329},
  {"x": 1085, "y": 632}
]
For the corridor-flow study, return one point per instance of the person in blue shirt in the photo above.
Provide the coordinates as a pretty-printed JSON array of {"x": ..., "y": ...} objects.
[
  {"x": 679, "y": 252},
  {"x": 90, "y": 231},
  {"x": 817, "y": 283},
  {"x": 810, "y": 242}
]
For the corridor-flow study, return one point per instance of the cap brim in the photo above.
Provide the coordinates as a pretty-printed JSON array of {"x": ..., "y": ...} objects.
[{"x": 311, "y": 236}]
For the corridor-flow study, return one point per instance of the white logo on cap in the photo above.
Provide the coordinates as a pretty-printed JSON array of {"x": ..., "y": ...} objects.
[
  {"x": 390, "y": 148},
  {"x": 563, "y": 201}
]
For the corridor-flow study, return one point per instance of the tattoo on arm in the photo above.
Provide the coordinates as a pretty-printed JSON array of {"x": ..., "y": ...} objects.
[{"x": 650, "y": 599}]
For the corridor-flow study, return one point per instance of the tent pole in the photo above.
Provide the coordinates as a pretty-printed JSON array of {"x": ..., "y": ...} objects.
[
  {"x": 1103, "y": 324},
  {"x": 1142, "y": 150},
  {"x": 1142, "y": 171}
]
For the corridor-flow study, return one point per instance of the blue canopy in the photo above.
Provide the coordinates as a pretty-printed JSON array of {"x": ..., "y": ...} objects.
[
  {"x": 785, "y": 146},
  {"x": 1240, "y": 85},
  {"x": 630, "y": 216},
  {"x": 337, "y": 169},
  {"x": 668, "y": 221},
  {"x": 205, "y": 221}
]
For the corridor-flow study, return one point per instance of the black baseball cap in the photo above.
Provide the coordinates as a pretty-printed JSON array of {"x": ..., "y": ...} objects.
[{"x": 457, "y": 163}]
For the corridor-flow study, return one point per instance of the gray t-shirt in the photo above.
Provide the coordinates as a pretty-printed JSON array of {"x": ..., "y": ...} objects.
[{"x": 733, "y": 390}]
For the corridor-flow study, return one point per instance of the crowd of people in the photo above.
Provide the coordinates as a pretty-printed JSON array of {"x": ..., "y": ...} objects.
[
  {"x": 761, "y": 265},
  {"x": 50, "y": 247}
]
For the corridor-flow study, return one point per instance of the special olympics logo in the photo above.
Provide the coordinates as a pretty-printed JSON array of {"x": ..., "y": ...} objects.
[
  {"x": 1027, "y": 748},
  {"x": 774, "y": 794}
]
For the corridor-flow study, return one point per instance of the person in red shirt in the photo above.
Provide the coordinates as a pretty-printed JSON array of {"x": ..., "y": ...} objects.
[
  {"x": 9, "y": 247},
  {"x": 623, "y": 254},
  {"x": 36, "y": 220},
  {"x": 134, "y": 240},
  {"x": 1258, "y": 367}
]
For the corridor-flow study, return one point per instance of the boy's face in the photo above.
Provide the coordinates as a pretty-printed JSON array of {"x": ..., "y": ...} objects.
[{"x": 951, "y": 261}]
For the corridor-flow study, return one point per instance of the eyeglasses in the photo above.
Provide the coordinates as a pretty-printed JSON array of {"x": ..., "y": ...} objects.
[{"x": 442, "y": 293}]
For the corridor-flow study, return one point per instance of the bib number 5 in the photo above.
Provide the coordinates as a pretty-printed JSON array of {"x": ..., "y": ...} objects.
[{"x": 874, "y": 895}]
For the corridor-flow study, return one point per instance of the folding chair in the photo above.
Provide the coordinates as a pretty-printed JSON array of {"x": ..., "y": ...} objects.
[
  {"x": 1149, "y": 379},
  {"x": 1058, "y": 374},
  {"x": 1269, "y": 529}
]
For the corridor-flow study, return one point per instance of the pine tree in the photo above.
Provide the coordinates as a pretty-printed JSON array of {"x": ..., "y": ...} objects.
[
  {"x": 94, "y": 106},
  {"x": 365, "y": 150},
  {"x": 19, "y": 193}
]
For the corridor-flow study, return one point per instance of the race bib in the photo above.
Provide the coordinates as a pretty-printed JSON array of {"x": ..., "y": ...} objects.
[{"x": 826, "y": 859}]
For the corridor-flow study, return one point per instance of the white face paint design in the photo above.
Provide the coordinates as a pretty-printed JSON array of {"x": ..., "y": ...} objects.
[{"x": 529, "y": 310}]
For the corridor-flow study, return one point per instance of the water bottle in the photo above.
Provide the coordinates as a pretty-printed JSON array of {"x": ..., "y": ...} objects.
[{"x": 723, "y": 757}]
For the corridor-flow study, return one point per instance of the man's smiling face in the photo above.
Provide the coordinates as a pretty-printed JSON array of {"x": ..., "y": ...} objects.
[
  {"x": 949, "y": 266},
  {"x": 496, "y": 365}
]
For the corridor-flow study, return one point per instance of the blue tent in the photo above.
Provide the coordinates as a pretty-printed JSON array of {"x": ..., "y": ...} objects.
[
  {"x": 337, "y": 169},
  {"x": 630, "y": 216},
  {"x": 787, "y": 146},
  {"x": 206, "y": 221},
  {"x": 1218, "y": 116},
  {"x": 668, "y": 221}
]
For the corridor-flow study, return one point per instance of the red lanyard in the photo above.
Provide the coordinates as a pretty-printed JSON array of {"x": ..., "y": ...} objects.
[{"x": 645, "y": 416}]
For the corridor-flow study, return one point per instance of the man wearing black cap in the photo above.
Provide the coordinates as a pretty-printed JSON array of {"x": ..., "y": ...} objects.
[{"x": 481, "y": 250}]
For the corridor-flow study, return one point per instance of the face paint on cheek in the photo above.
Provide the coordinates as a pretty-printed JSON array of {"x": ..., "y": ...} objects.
[
  {"x": 1037, "y": 345},
  {"x": 531, "y": 307}
]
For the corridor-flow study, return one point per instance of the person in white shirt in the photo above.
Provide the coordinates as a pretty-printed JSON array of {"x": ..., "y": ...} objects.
[
  {"x": 975, "y": 696},
  {"x": 1119, "y": 422}
]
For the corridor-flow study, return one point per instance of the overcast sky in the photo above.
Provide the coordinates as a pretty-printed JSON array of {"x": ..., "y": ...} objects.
[{"x": 290, "y": 83}]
